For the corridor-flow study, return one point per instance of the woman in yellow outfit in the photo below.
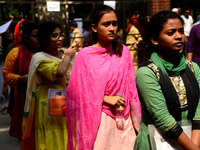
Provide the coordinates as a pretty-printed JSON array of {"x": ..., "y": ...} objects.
[{"x": 49, "y": 69}]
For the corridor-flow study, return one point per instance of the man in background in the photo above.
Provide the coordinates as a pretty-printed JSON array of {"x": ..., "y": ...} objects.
[
  {"x": 132, "y": 40},
  {"x": 188, "y": 22},
  {"x": 77, "y": 35},
  {"x": 175, "y": 10}
]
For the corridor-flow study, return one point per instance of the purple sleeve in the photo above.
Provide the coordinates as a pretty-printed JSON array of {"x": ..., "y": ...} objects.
[{"x": 191, "y": 40}]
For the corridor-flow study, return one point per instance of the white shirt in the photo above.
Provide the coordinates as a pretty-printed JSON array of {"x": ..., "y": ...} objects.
[{"x": 187, "y": 24}]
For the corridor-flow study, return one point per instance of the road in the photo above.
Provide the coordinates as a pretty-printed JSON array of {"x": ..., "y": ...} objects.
[{"x": 6, "y": 141}]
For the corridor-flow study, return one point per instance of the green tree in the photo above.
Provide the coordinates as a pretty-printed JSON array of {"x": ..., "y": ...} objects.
[{"x": 10, "y": 10}]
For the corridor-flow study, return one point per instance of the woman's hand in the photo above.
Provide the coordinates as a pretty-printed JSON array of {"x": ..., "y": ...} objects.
[
  {"x": 71, "y": 51},
  {"x": 185, "y": 142},
  {"x": 5, "y": 90},
  {"x": 63, "y": 66},
  {"x": 23, "y": 79},
  {"x": 135, "y": 46},
  {"x": 196, "y": 137},
  {"x": 115, "y": 101}
]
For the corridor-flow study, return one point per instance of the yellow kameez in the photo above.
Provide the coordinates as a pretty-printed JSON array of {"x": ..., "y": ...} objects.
[{"x": 50, "y": 132}]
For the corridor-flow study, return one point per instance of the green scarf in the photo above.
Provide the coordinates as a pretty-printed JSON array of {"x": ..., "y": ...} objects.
[{"x": 167, "y": 67}]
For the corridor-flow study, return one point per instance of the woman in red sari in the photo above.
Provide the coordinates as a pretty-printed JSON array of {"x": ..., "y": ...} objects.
[{"x": 15, "y": 73}]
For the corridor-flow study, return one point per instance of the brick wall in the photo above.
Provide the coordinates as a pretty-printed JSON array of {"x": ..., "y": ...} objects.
[{"x": 159, "y": 5}]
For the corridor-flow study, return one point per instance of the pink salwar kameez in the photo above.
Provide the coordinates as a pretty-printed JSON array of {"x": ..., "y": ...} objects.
[{"x": 97, "y": 72}]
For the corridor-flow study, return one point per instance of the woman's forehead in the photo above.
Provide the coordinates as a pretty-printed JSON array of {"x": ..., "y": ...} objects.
[{"x": 109, "y": 16}]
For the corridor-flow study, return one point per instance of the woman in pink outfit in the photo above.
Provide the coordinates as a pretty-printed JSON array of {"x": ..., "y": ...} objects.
[{"x": 101, "y": 72}]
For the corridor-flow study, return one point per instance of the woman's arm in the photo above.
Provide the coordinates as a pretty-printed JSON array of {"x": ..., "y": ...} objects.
[
  {"x": 150, "y": 90},
  {"x": 196, "y": 137},
  {"x": 191, "y": 43},
  {"x": 185, "y": 142},
  {"x": 23, "y": 79},
  {"x": 5, "y": 89},
  {"x": 53, "y": 70},
  {"x": 154, "y": 99},
  {"x": 10, "y": 78},
  {"x": 63, "y": 66},
  {"x": 196, "y": 119}
]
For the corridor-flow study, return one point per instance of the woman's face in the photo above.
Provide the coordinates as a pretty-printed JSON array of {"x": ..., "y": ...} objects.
[
  {"x": 56, "y": 39},
  {"x": 32, "y": 39},
  {"x": 9, "y": 35},
  {"x": 107, "y": 27},
  {"x": 171, "y": 38}
]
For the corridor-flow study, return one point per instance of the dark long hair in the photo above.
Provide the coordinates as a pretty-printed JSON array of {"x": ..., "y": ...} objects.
[
  {"x": 44, "y": 32},
  {"x": 93, "y": 38},
  {"x": 155, "y": 27}
]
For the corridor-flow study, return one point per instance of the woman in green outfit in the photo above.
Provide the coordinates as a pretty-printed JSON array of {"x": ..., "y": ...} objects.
[{"x": 168, "y": 85}]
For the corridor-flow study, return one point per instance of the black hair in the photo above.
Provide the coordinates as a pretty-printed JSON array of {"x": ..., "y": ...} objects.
[
  {"x": 12, "y": 27},
  {"x": 45, "y": 30},
  {"x": 74, "y": 24},
  {"x": 93, "y": 38},
  {"x": 156, "y": 25},
  {"x": 27, "y": 29},
  {"x": 85, "y": 27},
  {"x": 186, "y": 8}
]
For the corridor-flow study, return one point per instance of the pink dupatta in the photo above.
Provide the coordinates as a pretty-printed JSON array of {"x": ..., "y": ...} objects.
[{"x": 97, "y": 72}]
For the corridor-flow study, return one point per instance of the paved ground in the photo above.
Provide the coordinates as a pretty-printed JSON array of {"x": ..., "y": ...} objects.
[{"x": 6, "y": 141}]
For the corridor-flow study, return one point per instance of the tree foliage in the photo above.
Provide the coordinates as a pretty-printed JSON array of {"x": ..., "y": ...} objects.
[{"x": 10, "y": 10}]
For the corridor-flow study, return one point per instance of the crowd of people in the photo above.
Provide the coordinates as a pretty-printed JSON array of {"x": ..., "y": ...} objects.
[{"x": 109, "y": 102}]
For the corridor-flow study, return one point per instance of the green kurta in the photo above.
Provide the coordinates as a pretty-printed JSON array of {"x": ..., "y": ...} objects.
[{"x": 156, "y": 111}]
